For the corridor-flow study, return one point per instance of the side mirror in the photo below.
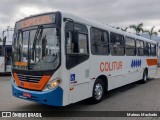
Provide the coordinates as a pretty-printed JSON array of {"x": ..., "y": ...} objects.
[
  {"x": 4, "y": 41},
  {"x": 75, "y": 37}
]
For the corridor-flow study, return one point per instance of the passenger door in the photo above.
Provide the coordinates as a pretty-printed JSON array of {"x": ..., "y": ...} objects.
[{"x": 77, "y": 60}]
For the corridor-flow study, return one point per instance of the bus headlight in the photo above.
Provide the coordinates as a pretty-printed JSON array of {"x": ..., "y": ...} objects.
[{"x": 52, "y": 84}]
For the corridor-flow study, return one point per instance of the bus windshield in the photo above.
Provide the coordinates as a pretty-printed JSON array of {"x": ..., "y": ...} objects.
[{"x": 37, "y": 49}]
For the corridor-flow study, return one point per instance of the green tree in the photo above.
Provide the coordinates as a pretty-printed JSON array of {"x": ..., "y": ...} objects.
[
  {"x": 117, "y": 27},
  {"x": 125, "y": 29},
  {"x": 138, "y": 28},
  {"x": 151, "y": 32}
]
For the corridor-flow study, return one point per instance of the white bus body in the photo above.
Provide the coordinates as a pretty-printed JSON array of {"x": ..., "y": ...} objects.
[{"x": 78, "y": 81}]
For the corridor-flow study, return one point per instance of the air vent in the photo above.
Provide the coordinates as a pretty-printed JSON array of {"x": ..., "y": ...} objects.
[{"x": 29, "y": 78}]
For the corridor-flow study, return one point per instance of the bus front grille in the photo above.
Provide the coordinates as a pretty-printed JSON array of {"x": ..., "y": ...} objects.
[{"x": 29, "y": 78}]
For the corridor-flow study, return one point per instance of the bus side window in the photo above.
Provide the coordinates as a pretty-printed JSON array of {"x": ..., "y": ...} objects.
[
  {"x": 77, "y": 46},
  {"x": 130, "y": 46},
  {"x": 82, "y": 43},
  {"x": 147, "y": 49},
  {"x": 153, "y": 50},
  {"x": 69, "y": 42},
  {"x": 117, "y": 44},
  {"x": 99, "y": 42},
  {"x": 140, "y": 47},
  {"x": 76, "y": 36}
]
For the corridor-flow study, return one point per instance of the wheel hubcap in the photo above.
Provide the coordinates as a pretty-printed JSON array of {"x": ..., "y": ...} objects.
[
  {"x": 98, "y": 91},
  {"x": 145, "y": 77}
]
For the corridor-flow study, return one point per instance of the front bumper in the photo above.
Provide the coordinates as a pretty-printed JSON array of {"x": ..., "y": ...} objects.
[{"x": 51, "y": 97}]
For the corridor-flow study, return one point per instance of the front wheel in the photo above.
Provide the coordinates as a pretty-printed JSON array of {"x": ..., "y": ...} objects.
[{"x": 98, "y": 92}]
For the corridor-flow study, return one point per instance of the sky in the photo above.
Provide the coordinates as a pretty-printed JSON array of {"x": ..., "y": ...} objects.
[{"x": 116, "y": 13}]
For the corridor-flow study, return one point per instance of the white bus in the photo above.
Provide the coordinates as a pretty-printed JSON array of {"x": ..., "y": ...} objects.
[
  {"x": 70, "y": 59},
  {"x": 6, "y": 51}
]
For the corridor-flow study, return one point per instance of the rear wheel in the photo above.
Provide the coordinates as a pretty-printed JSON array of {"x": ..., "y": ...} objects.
[
  {"x": 98, "y": 91},
  {"x": 145, "y": 76}
]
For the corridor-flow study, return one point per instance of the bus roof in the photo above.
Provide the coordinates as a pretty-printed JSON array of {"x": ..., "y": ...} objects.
[
  {"x": 104, "y": 27},
  {"x": 93, "y": 24}
]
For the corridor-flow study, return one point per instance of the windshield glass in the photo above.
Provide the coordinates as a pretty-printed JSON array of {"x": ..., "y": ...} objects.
[{"x": 37, "y": 49}]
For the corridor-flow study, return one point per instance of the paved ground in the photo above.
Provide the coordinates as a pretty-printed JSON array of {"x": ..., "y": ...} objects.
[{"x": 133, "y": 97}]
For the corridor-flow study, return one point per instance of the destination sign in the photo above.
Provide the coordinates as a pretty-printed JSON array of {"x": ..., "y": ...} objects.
[
  {"x": 25, "y": 64},
  {"x": 39, "y": 20}
]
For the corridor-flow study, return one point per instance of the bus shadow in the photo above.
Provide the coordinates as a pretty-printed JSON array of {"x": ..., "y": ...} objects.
[
  {"x": 82, "y": 104},
  {"x": 41, "y": 107},
  {"x": 5, "y": 74},
  {"x": 125, "y": 88}
]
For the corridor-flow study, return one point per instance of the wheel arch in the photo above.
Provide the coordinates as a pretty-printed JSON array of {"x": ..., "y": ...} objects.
[
  {"x": 104, "y": 79},
  {"x": 146, "y": 70}
]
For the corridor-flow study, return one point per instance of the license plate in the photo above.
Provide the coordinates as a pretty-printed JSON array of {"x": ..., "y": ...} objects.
[{"x": 28, "y": 95}]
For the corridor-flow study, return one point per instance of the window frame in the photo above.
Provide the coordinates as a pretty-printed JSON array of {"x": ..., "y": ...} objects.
[
  {"x": 139, "y": 47},
  {"x": 74, "y": 59},
  {"x": 87, "y": 34},
  {"x": 145, "y": 44},
  {"x": 151, "y": 54},
  {"x": 87, "y": 46},
  {"x": 135, "y": 53},
  {"x": 108, "y": 43},
  {"x": 116, "y": 44}
]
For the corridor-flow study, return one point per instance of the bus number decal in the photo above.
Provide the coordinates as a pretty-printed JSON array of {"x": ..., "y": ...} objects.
[{"x": 110, "y": 66}]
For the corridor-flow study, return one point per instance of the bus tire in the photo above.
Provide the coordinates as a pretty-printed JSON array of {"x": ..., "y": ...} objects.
[
  {"x": 145, "y": 76},
  {"x": 98, "y": 91}
]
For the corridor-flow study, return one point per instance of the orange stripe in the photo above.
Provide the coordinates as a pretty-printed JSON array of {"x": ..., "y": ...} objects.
[
  {"x": 25, "y": 64},
  {"x": 30, "y": 85},
  {"x": 152, "y": 62}
]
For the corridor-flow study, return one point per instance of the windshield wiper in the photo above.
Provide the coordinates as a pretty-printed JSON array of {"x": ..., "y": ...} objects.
[{"x": 37, "y": 36}]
